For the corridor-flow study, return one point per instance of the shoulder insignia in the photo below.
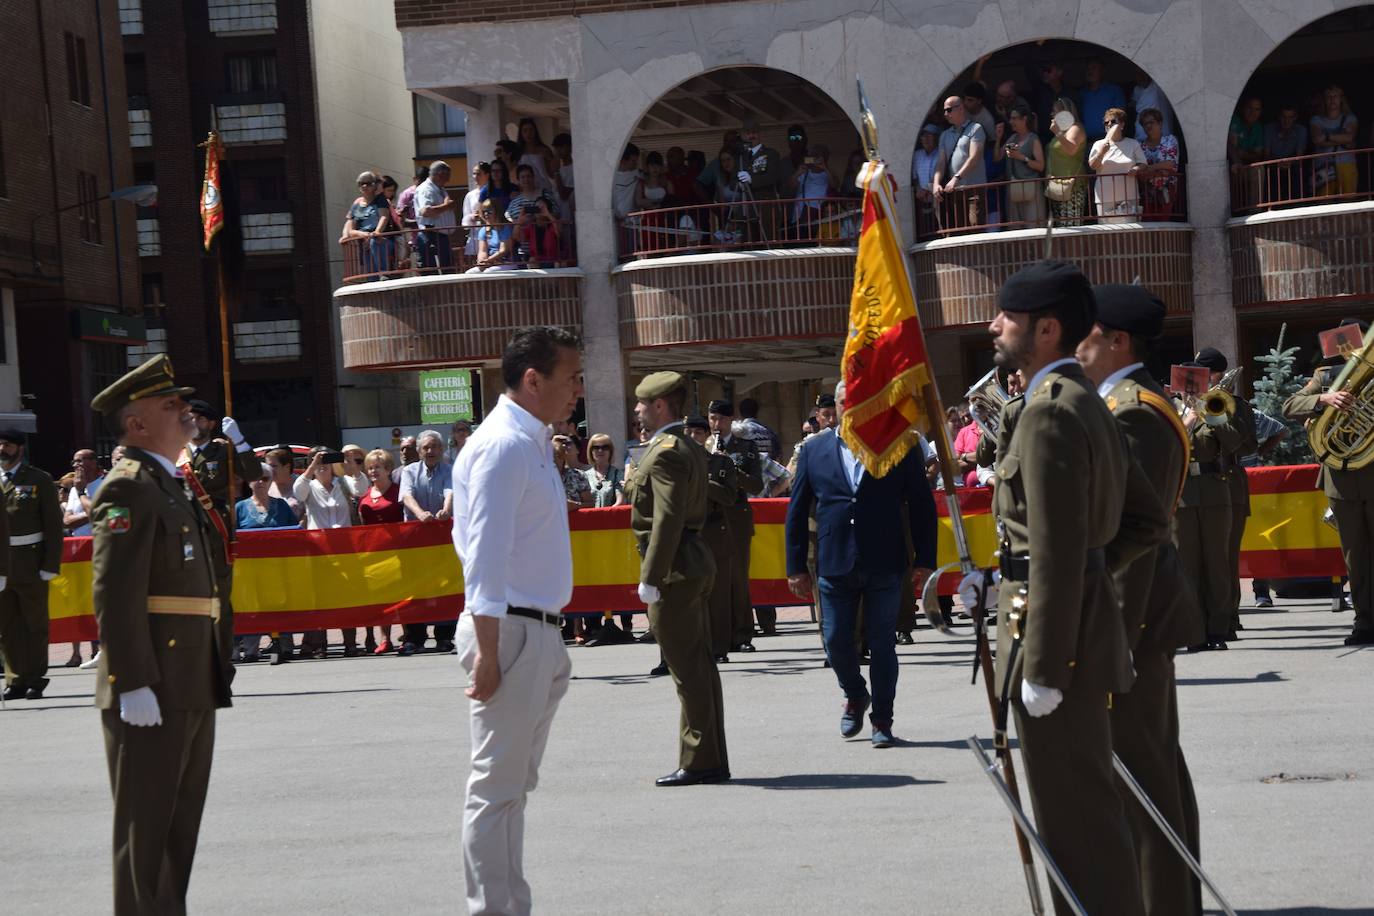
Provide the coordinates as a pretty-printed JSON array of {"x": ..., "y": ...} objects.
[
  {"x": 117, "y": 519},
  {"x": 670, "y": 441},
  {"x": 125, "y": 467},
  {"x": 1111, "y": 402}
]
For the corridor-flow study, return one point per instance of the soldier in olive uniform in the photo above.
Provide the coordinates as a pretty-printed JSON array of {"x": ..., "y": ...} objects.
[
  {"x": 720, "y": 495},
  {"x": 162, "y": 673},
  {"x": 1202, "y": 524},
  {"x": 748, "y": 479},
  {"x": 1236, "y": 479},
  {"x": 1351, "y": 494},
  {"x": 1157, "y": 601},
  {"x": 1072, "y": 506},
  {"x": 32, "y": 527},
  {"x": 209, "y": 460},
  {"x": 668, "y": 508}
]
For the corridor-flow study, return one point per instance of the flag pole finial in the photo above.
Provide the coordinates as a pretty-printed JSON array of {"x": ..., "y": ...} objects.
[{"x": 868, "y": 126}]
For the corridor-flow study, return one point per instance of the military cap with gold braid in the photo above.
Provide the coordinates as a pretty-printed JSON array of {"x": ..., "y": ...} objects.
[
  {"x": 153, "y": 379},
  {"x": 660, "y": 385}
]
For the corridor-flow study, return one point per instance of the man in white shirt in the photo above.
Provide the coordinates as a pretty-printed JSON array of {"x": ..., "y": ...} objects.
[
  {"x": 435, "y": 217},
  {"x": 1147, "y": 94},
  {"x": 510, "y": 529},
  {"x": 427, "y": 495}
]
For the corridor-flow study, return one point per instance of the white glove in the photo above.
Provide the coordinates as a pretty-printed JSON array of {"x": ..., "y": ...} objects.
[
  {"x": 46, "y": 576},
  {"x": 648, "y": 593},
  {"x": 1040, "y": 701},
  {"x": 744, "y": 177},
  {"x": 971, "y": 584},
  {"x": 139, "y": 707},
  {"x": 230, "y": 427},
  {"x": 3, "y": 580}
]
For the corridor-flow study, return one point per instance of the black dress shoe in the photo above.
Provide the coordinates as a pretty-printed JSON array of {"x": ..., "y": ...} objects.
[
  {"x": 904, "y": 639},
  {"x": 743, "y": 647},
  {"x": 33, "y": 693},
  {"x": 15, "y": 692},
  {"x": 692, "y": 777},
  {"x": 1360, "y": 638},
  {"x": 722, "y": 659},
  {"x": 658, "y": 670}
]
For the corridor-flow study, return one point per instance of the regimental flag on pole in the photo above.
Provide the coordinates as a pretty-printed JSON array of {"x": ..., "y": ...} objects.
[
  {"x": 211, "y": 200},
  {"x": 885, "y": 366}
]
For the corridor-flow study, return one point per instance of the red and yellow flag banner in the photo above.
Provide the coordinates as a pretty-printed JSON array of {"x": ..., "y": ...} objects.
[
  {"x": 408, "y": 573},
  {"x": 211, "y": 201},
  {"x": 885, "y": 366}
]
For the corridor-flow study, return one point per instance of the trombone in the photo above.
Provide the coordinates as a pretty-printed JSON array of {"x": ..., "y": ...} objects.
[{"x": 1215, "y": 406}]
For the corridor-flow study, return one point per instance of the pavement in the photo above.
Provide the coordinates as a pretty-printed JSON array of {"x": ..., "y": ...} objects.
[{"x": 338, "y": 785}]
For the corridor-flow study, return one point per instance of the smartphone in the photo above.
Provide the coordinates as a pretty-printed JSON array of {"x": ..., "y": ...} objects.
[{"x": 332, "y": 457}]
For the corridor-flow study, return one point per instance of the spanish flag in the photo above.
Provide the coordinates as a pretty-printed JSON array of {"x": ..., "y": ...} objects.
[
  {"x": 211, "y": 201},
  {"x": 885, "y": 367}
]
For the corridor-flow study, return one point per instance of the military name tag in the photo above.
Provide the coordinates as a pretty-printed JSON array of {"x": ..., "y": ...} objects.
[
  {"x": 188, "y": 551},
  {"x": 117, "y": 519},
  {"x": 211, "y": 467},
  {"x": 24, "y": 491}
]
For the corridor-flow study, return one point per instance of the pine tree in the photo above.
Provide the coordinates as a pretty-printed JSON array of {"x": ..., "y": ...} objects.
[{"x": 1272, "y": 388}]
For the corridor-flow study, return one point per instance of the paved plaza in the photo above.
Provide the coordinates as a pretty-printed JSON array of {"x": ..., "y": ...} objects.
[{"x": 338, "y": 784}]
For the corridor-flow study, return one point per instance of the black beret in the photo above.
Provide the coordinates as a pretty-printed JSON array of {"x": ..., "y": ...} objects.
[
  {"x": 825, "y": 400},
  {"x": 721, "y": 407},
  {"x": 203, "y": 408},
  {"x": 13, "y": 434},
  {"x": 1130, "y": 308},
  {"x": 1044, "y": 285},
  {"x": 1212, "y": 358},
  {"x": 697, "y": 422},
  {"x": 1363, "y": 325}
]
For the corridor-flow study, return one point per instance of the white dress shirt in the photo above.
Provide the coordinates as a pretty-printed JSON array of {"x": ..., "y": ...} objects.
[
  {"x": 74, "y": 506},
  {"x": 330, "y": 508},
  {"x": 1110, "y": 381},
  {"x": 510, "y": 517},
  {"x": 1045, "y": 370},
  {"x": 853, "y": 467}
]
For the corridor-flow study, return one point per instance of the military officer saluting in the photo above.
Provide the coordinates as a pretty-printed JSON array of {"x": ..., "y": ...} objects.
[
  {"x": 748, "y": 479},
  {"x": 1350, "y": 492},
  {"x": 208, "y": 460},
  {"x": 720, "y": 496},
  {"x": 32, "y": 527},
  {"x": 162, "y": 672},
  {"x": 668, "y": 508},
  {"x": 1071, "y": 509},
  {"x": 1157, "y": 602}
]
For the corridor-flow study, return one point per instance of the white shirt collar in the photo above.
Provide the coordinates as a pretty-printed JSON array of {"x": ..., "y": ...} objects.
[
  {"x": 1045, "y": 370},
  {"x": 536, "y": 428},
  {"x": 1110, "y": 381},
  {"x": 172, "y": 470}
]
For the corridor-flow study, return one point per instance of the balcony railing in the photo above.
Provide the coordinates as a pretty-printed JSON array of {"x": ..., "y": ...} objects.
[
  {"x": 1302, "y": 181},
  {"x": 739, "y": 226},
  {"x": 1080, "y": 200},
  {"x": 420, "y": 252}
]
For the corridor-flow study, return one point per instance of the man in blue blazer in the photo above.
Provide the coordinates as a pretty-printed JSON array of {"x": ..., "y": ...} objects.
[{"x": 870, "y": 531}]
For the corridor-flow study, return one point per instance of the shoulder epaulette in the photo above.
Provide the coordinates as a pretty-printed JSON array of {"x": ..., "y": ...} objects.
[{"x": 125, "y": 467}]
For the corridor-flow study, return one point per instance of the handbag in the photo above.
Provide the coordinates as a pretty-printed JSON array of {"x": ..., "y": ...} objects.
[
  {"x": 1059, "y": 189},
  {"x": 1021, "y": 192}
]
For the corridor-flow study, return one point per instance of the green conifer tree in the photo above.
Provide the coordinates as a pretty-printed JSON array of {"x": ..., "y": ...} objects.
[{"x": 1278, "y": 381}]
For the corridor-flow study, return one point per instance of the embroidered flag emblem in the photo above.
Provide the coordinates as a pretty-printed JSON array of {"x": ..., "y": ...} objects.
[{"x": 117, "y": 519}]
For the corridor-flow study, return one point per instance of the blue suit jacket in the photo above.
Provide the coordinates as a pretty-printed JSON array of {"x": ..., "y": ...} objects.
[{"x": 862, "y": 529}]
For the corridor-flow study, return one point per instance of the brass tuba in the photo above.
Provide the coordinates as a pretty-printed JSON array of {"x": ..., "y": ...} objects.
[
  {"x": 1344, "y": 439},
  {"x": 986, "y": 398}
]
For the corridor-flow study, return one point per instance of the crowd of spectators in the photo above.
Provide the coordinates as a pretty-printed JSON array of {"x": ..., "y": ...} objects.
[
  {"x": 1307, "y": 151},
  {"x": 1017, "y": 156}
]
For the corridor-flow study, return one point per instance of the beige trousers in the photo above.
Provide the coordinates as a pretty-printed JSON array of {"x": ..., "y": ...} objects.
[{"x": 509, "y": 734}]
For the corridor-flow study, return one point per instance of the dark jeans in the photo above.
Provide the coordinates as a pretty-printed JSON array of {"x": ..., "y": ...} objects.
[
  {"x": 376, "y": 257},
  {"x": 436, "y": 250},
  {"x": 840, "y": 596},
  {"x": 416, "y": 632}
]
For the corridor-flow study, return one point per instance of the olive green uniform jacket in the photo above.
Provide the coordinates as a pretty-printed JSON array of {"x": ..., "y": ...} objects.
[{"x": 32, "y": 513}]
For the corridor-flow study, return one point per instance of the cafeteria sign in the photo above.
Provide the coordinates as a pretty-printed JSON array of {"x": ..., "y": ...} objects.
[{"x": 445, "y": 396}]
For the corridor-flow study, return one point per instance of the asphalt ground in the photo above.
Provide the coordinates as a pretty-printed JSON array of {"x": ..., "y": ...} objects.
[{"x": 338, "y": 785}]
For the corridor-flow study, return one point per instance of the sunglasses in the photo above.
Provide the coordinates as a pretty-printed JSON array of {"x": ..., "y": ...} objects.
[
  {"x": 1111, "y": 123},
  {"x": 601, "y": 448}
]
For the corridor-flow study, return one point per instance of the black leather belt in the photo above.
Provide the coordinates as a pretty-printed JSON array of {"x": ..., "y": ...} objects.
[
  {"x": 553, "y": 620},
  {"x": 1198, "y": 468},
  {"x": 1017, "y": 569}
]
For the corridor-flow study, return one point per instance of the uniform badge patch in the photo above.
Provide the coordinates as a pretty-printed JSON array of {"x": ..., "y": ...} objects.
[
  {"x": 117, "y": 519},
  {"x": 211, "y": 467},
  {"x": 1111, "y": 402}
]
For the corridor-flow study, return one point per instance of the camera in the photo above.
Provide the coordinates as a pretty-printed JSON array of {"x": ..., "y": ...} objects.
[{"x": 331, "y": 457}]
